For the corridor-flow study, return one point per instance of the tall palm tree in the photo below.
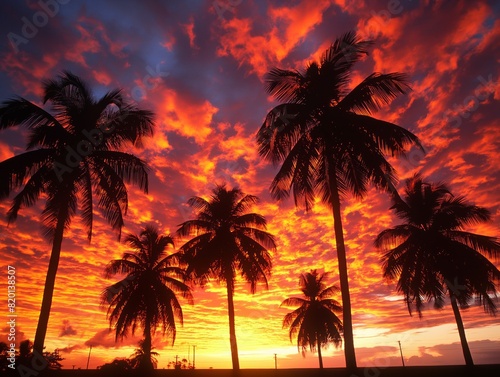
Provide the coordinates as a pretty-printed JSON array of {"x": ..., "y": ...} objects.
[
  {"x": 227, "y": 239},
  {"x": 314, "y": 322},
  {"x": 72, "y": 155},
  {"x": 431, "y": 255},
  {"x": 327, "y": 142},
  {"x": 146, "y": 296}
]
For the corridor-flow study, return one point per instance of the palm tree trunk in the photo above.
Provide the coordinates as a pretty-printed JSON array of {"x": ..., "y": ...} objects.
[
  {"x": 232, "y": 326},
  {"x": 461, "y": 331},
  {"x": 319, "y": 354},
  {"x": 48, "y": 292},
  {"x": 350, "y": 356}
]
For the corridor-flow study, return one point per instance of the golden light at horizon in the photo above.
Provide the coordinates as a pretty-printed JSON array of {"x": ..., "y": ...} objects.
[{"x": 208, "y": 110}]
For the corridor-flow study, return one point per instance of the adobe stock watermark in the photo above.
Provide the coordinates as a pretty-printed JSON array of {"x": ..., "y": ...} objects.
[
  {"x": 38, "y": 363},
  {"x": 227, "y": 170},
  {"x": 455, "y": 287},
  {"x": 284, "y": 116},
  {"x": 471, "y": 103},
  {"x": 224, "y": 173},
  {"x": 39, "y": 19},
  {"x": 149, "y": 82},
  {"x": 186, "y": 212},
  {"x": 11, "y": 316},
  {"x": 222, "y": 6},
  {"x": 380, "y": 19}
]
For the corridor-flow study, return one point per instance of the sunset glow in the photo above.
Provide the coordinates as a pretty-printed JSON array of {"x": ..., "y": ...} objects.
[{"x": 199, "y": 66}]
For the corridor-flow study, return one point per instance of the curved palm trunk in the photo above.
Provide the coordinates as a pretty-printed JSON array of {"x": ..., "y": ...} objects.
[
  {"x": 232, "y": 327},
  {"x": 461, "y": 331},
  {"x": 319, "y": 354},
  {"x": 350, "y": 356},
  {"x": 48, "y": 292}
]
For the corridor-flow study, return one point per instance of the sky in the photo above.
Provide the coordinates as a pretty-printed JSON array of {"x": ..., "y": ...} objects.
[{"x": 200, "y": 67}]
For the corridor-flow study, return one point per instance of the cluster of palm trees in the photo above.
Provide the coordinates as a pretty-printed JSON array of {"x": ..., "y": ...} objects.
[
  {"x": 327, "y": 145},
  {"x": 227, "y": 239}
]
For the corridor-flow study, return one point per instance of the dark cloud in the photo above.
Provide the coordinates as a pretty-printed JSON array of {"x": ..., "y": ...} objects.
[
  {"x": 67, "y": 329},
  {"x": 106, "y": 338}
]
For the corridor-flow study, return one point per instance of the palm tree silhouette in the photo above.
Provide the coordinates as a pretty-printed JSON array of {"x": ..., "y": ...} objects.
[
  {"x": 140, "y": 357},
  {"x": 430, "y": 255},
  {"x": 227, "y": 239},
  {"x": 146, "y": 296},
  {"x": 72, "y": 155},
  {"x": 327, "y": 142},
  {"x": 314, "y": 322}
]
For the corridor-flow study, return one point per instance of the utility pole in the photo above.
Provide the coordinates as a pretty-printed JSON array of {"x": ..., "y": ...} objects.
[
  {"x": 275, "y": 361},
  {"x": 194, "y": 356},
  {"x": 88, "y": 360},
  {"x": 401, "y": 351}
]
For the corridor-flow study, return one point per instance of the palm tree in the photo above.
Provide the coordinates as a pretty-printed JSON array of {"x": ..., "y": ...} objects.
[
  {"x": 328, "y": 143},
  {"x": 227, "y": 239},
  {"x": 146, "y": 296},
  {"x": 140, "y": 357},
  {"x": 314, "y": 322},
  {"x": 72, "y": 155},
  {"x": 431, "y": 255}
]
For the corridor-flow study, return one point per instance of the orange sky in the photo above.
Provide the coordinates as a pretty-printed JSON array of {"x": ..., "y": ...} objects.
[{"x": 209, "y": 99}]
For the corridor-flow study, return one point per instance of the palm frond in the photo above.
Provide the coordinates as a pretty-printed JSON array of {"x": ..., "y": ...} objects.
[
  {"x": 121, "y": 266},
  {"x": 30, "y": 193},
  {"x": 283, "y": 84},
  {"x": 112, "y": 195},
  {"x": 484, "y": 244},
  {"x": 251, "y": 220},
  {"x": 374, "y": 92},
  {"x": 198, "y": 203},
  {"x": 127, "y": 125},
  {"x": 68, "y": 90},
  {"x": 394, "y": 236},
  {"x": 294, "y": 301},
  {"x": 244, "y": 204},
  {"x": 195, "y": 226},
  {"x": 283, "y": 126},
  {"x": 128, "y": 167},
  {"x": 21, "y": 112},
  {"x": 60, "y": 206},
  {"x": 346, "y": 51},
  {"x": 87, "y": 211},
  {"x": 15, "y": 171}
]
